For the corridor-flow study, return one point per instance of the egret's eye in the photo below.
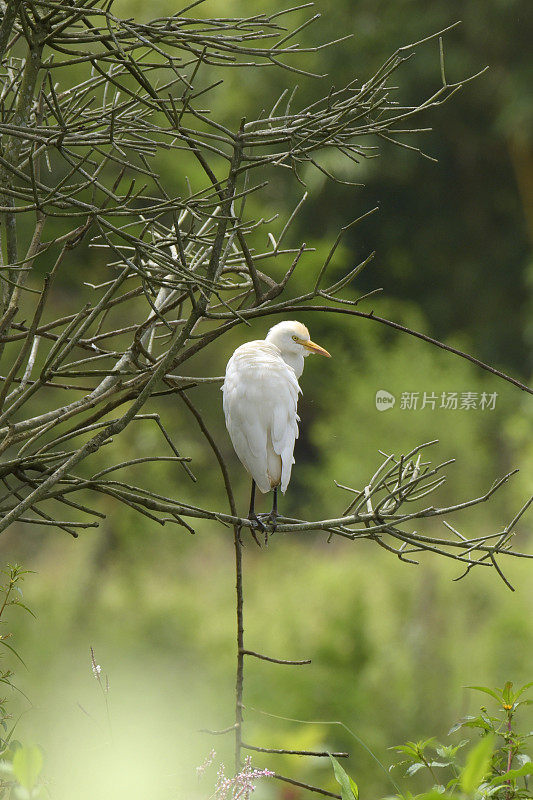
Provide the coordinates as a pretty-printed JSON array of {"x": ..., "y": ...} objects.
[{"x": 295, "y": 338}]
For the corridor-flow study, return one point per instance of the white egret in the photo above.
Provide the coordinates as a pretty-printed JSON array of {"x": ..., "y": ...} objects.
[{"x": 260, "y": 406}]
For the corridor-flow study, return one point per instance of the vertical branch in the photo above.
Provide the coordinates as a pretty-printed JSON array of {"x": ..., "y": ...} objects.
[
  {"x": 6, "y": 27},
  {"x": 14, "y": 143},
  {"x": 239, "y": 678},
  {"x": 12, "y": 303}
]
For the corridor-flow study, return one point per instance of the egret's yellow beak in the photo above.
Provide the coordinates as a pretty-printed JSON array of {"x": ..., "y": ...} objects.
[{"x": 315, "y": 348}]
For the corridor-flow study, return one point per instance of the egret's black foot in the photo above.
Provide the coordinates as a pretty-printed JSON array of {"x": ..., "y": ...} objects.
[
  {"x": 254, "y": 519},
  {"x": 271, "y": 520}
]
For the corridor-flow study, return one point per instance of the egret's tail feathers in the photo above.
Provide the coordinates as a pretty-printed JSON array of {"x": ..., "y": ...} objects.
[{"x": 274, "y": 464}]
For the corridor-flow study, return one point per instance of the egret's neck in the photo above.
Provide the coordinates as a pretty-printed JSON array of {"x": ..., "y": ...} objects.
[{"x": 294, "y": 360}]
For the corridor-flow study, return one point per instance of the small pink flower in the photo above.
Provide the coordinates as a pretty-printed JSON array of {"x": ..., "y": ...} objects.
[{"x": 241, "y": 786}]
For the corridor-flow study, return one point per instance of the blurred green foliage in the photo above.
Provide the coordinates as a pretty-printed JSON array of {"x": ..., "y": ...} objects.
[
  {"x": 497, "y": 766},
  {"x": 391, "y": 644}
]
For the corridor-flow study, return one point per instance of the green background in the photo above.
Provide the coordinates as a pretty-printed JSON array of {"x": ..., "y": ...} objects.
[{"x": 392, "y": 645}]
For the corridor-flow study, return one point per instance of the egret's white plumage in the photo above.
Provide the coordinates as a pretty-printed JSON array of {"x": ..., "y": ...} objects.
[{"x": 260, "y": 402}]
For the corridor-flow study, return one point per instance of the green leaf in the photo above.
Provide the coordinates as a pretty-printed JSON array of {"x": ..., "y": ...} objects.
[
  {"x": 349, "y": 789},
  {"x": 354, "y": 788},
  {"x": 483, "y": 723},
  {"x": 488, "y": 691},
  {"x": 450, "y": 750},
  {"x": 27, "y": 765},
  {"x": 524, "y": 688},
  {"x": 3, "y": 641},
  {"x": 507, "y": 694},
  {"x": 477, "y": 764},
  {"x": 466, "y": 722},
  {"x": 25, "y": 607},
  {"x": 513, "y": 774},
  {"x": 410, "y": 749}
]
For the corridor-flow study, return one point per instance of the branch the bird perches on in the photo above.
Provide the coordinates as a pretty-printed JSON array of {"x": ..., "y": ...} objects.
[{"x": 93, "y": 109}]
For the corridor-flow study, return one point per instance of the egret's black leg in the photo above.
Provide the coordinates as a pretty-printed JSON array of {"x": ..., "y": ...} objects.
[
  {"x": 252, "y": 516},
  {"x": 251, "y": 510},
  {"x": 274, "y": 512},
  {"x": 272, "y": 518}
]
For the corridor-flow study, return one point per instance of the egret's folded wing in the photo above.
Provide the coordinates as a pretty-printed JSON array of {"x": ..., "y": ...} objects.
[
  {"x": 246, "y": 424},
  {"x": 284, "y": 422}
]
